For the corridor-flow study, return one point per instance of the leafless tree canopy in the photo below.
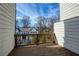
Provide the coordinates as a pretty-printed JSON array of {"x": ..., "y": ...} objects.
[
  {"x": 26, "y": 21},
  {"x": 44, "y": 23}
]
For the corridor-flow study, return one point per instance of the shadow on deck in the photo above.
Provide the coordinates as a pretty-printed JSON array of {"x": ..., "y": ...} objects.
[{"x": 47, "y": 49}]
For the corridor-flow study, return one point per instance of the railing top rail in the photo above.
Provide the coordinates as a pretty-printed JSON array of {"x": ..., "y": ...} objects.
[{"x": 34, "y": 34}]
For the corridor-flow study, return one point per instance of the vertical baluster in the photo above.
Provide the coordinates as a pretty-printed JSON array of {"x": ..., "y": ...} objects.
[
  {"x": 21, "y": 40},
  {"x": 26, "y": 38}
]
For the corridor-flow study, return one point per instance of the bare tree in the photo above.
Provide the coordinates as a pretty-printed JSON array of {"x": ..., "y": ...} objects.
[
  {"x": 50, "y": 23},
  {"x": 26, "y": 21},
  {"x": 41, "y": 23}
]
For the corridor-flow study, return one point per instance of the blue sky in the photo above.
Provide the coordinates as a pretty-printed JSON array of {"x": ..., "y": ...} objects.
[{"x": 34, "y": 10}]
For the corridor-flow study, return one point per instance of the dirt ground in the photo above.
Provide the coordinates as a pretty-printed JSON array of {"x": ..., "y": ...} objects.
[{"x": 47, "y": 49}]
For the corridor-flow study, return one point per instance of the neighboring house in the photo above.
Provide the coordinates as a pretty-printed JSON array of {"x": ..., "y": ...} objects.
[
  {"x": 17, "y": 30},
  {"x": 30, "y": 30},
  {"x": 25, "y": 29},
  {"x": 34, "y": 31}
]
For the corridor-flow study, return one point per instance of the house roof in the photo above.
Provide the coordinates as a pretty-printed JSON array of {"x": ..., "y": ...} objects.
[{"x": 28, "y": 29}]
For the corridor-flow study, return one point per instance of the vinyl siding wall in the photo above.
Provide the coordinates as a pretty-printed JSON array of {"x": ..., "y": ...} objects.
[
  {"x": 67, "y": 29},
  {"x": 7, "y": 28}
]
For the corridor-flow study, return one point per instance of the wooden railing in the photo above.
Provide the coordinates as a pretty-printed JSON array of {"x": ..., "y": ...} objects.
[{"x": 20, "y": 38}]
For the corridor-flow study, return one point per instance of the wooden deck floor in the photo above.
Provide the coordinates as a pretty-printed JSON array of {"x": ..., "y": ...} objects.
[{"x": 42, "y": 50}]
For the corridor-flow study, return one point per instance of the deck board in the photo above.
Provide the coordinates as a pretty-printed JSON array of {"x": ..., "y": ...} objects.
[{"x": 48, "y": 49}]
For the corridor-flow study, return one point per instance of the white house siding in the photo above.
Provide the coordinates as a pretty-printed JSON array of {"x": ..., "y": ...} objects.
[
  {"x": 68, "y": 10},
  {"x": 7, "y": 28},
  {"x": 59, "y": 32},
  {"x": 67, "y": 30}
]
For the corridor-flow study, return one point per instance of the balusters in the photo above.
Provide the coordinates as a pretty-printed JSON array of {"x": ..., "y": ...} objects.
[
  {"x": 26, "y": 38},
  {"x": 21, "y": 39}
]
